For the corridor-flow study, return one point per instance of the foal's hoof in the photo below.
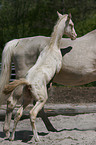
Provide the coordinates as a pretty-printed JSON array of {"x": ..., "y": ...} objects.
[
  {"x": 37, "y": 139},
  {"x": 33, "y": 140},
  {"x": 7, "y": 134},
  {"x": 11, "y": 138}
]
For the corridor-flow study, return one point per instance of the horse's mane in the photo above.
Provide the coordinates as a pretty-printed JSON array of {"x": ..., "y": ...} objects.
[{"x": 53, "y": 35}]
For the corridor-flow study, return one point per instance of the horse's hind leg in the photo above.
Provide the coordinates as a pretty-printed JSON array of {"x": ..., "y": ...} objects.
[
  {"x": 16, "y": 119},
  {"x": 33, "y": 114},
  {"x": 11, "y": 103},
  {"x": 45, "y": 119},
  {"x": 26, "y": 102}
]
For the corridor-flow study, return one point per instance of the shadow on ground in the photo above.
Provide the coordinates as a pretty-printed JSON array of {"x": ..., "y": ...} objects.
[{"x": 25, "y": 135}]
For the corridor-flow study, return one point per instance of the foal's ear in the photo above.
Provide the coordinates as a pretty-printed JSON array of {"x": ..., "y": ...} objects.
[
  {"x": 59, "y": 15},
  {"x": 69, "y": 16}
]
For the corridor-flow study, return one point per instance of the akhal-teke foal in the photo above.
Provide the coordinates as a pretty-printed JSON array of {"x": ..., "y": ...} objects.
[{"x": 48, "y": 64}]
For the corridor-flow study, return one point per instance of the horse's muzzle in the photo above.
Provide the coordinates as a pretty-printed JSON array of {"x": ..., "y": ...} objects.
[{"x": 73, "y": 37}]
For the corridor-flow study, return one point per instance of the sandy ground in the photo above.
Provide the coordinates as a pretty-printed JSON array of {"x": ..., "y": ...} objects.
[{"x": 71, "y": 130}]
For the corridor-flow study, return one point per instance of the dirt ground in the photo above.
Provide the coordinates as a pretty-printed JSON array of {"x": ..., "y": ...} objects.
[
  {"x": 72, "y": 95},
  {"x": 71, "y": 130}
]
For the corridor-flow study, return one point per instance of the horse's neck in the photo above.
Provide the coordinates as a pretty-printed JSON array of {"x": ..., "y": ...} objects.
[
  {"x": 54, "y": 43},
  {"x": 57, "y": 34}
]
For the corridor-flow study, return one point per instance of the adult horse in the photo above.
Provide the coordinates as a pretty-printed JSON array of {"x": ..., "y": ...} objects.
[{"x": 78, "y": 62}]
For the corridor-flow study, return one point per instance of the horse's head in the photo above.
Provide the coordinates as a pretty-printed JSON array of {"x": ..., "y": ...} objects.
[{"x": 69, "y": 26}]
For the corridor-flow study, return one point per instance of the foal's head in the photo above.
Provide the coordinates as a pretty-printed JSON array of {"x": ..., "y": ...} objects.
[{"x": 69, "y": 26}]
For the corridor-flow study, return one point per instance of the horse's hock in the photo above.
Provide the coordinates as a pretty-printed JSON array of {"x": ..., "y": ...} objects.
[{"x": 72, "y": 95}]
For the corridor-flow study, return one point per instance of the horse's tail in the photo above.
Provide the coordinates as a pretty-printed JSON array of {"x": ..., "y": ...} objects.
[
  {"x": 6, "y": 64},
  {"x": 11, "y": 86}
]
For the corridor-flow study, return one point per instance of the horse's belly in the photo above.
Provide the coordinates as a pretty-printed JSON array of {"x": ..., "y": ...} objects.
[
  {"x": 78, "y": 66},
  {"x": 68, "y": 78}
]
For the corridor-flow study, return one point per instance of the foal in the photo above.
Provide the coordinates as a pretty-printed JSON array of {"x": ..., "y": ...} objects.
[{"x": 49, "y": 62}]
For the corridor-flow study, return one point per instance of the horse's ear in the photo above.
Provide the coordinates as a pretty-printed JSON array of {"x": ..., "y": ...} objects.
[
  {"x": 59, "y": 15},
  {"x": 69, "y": 16}
]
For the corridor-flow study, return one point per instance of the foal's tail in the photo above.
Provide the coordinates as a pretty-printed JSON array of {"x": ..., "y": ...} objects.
[{"x": 11, "y": 86}]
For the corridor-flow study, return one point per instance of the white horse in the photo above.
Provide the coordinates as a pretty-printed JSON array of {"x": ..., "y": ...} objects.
[
  {"x": 48, "y": 63},
  {"x": 24, "y": 53},
  {"x": 79, "y": 57}
]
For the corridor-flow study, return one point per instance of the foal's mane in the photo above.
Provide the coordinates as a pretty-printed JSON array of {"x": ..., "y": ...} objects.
[{"x": 55, "y": 29}]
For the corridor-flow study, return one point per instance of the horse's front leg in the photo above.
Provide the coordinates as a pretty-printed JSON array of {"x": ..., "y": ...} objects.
[
  {"x": 33, "y": 114},
  {"x": 46, "y": 121}
]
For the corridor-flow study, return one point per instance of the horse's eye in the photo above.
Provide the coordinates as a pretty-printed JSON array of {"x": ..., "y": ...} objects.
[{"x": 71, "y": 26}]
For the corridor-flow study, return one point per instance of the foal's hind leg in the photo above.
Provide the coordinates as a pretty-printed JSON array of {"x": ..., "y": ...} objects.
[
  {"x": 33, "y": 114},
  {"x": 16, "y": 119},
  {"x": 11, "y": 103},
  {"x": 26, "y": 101}
]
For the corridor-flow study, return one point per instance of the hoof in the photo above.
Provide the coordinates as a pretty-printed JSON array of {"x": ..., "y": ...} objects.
[
  {"x": 34, "y": 140},
  {"x": 11, "y": 139},
  {"x": 7, "y": 134},
  {"x": 37, "y": 139}
]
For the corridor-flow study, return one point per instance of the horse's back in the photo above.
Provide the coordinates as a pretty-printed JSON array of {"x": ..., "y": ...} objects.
[{"x": 27, "y": 52}]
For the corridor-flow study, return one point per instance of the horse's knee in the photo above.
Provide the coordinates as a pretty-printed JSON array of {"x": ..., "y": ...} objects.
[{"x": 32, "y": 116}]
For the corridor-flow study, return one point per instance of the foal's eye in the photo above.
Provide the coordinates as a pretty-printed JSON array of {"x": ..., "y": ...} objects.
[{"x": 71, "y": 26}]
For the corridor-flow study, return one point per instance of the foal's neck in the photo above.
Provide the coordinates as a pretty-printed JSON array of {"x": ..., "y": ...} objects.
[{"x": 57, "y": 34}]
